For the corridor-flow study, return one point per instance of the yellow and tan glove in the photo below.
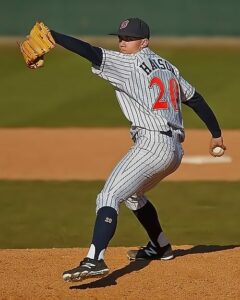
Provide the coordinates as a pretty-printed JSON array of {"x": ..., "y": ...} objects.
[{"x": 38, "y": 43}]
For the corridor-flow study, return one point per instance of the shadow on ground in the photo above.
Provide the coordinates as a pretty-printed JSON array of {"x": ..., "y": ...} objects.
[
  {"x": 111, "y": 279},
  {"x": 202, "y": 249}
]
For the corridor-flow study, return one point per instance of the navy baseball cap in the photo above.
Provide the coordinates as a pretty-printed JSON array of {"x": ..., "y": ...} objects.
[{"x": 133, "y": 27}]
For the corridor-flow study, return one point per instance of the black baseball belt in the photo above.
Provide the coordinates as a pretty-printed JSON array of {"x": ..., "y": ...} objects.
[{"x": 168, "y": 133}]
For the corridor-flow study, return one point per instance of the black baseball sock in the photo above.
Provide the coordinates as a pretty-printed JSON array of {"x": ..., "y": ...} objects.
[
  {"x": 104, "y": 229},
  {"x": 147, "y": 216}
]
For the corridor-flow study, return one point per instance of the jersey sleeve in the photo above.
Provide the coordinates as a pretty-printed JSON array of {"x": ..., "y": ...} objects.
[
  {"x": 187, "y": 90},
  {"x": 115, "y": 68}
]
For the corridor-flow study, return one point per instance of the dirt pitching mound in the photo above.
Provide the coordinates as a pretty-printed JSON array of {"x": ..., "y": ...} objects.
[{"x": 197, "y": 272}]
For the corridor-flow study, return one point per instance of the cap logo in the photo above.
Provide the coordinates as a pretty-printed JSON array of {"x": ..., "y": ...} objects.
[{"x": 124, "y": 24}]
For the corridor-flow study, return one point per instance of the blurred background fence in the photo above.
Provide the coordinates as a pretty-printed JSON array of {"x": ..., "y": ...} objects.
[{"x": 167, "y": 18}]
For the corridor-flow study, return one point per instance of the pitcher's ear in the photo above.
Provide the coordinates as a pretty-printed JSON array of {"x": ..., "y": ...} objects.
[{"x": 145, "y": 43}]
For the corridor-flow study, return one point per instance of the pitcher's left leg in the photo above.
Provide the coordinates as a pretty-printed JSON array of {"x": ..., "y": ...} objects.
[{"x": 127, "y": 177}]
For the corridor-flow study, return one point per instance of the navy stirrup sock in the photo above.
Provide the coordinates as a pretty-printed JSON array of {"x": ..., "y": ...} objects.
[
  {"x": 147, "y": 216},
  {"x": 104, "y": 229}
]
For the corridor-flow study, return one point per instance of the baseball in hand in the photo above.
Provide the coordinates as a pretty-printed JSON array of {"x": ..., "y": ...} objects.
[{"x": 218, "y": 151}]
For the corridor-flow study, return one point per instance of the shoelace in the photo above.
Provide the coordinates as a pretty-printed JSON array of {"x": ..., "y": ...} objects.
[{"x": 87, "y": 265}]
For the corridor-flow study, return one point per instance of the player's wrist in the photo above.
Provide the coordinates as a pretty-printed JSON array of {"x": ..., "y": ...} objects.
[{"x": 216, "y": 134}]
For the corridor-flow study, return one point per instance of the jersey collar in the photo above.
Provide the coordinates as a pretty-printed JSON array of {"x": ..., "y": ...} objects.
[{"x": 146, "y": 51}]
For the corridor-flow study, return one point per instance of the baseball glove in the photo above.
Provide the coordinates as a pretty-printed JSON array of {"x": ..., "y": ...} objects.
[{"x": 38, "y": 43}]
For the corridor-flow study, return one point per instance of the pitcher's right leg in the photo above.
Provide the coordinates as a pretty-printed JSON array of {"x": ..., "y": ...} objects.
[{"x": 158, "y": 246}]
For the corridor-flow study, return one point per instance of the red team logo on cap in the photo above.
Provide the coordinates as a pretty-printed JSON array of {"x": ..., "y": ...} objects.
[{"x": 124, "y": 24}]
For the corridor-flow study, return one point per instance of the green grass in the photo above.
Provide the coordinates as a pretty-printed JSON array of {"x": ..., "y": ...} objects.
[
  {"x": 39, "y": 214},
  {"x": 65, "y": 93}
]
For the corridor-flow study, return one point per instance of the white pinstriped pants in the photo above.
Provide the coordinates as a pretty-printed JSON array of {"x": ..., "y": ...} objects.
[{"x": 153, "y": 157}]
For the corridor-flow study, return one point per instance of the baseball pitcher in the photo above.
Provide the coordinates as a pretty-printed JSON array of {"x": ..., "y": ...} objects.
[{"x": 150, "y": 91}]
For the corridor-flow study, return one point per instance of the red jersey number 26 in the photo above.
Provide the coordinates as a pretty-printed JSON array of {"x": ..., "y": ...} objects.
[{"x": 161, "y": 103}]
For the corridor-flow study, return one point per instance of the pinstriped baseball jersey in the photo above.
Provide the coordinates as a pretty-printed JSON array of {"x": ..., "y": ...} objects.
[{"x": 149, "y": 89}]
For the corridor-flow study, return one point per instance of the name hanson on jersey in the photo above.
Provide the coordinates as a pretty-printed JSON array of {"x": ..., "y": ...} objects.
[{"x": 154, "y": 64}]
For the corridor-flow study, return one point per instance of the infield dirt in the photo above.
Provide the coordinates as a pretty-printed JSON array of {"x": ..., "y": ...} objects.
[
  {"x": 91, "y": 153},
  {"x": 197, "y": 272}
]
